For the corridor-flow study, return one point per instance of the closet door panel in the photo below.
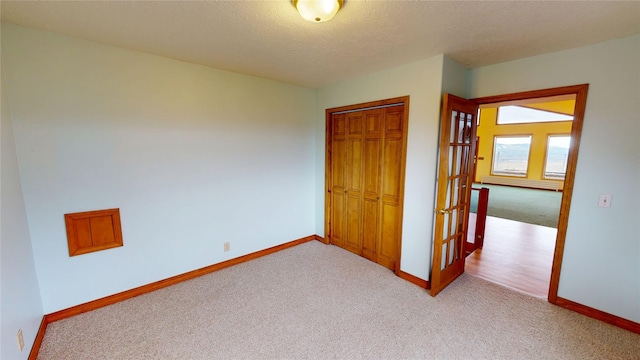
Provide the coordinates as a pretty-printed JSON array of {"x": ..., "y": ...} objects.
[
  {"x": 338, "y": 219},
  {"x": 366, "y": 154},
  {"x": 338, "y": 181},
  {"x": 371, "y": 185},
  {"x": 354, "y": 166},
  {"x": 371, "y": 197},
  {"x": 372, "y": 152},
  {"x": 373, "y": 120},
  {"x": 387, "y": 254},
  {"x": 370, "y": 229},
  {"x": 392, "y": 169},
  {"x": 392, "y": 156},
  {"x": 353, "y": 240},
  {"x": 394, "y": 121}
]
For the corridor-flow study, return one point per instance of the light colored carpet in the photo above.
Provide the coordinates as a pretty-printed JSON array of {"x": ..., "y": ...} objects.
[{"x": 315, "y": 301}]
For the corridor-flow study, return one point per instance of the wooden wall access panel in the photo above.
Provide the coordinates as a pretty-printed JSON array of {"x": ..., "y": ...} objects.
[{"x": 93, "y": 231}]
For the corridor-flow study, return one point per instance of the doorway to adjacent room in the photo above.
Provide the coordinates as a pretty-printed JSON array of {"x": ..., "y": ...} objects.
[{"x": 510, "y": 168}]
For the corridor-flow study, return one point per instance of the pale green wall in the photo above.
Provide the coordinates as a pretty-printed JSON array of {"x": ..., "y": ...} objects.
[
  {"x": 192, "y": 156},
  {"x": 423, "y": 82},
  {"x": 601, "y": 263},
  {"x": 20, "y": 302},
  {"x": 454, "y": 78},
  {"x": 188, "y": 150}
]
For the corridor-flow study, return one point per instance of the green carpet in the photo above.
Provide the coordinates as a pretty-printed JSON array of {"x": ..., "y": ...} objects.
[{"x": 540, "y": 207}]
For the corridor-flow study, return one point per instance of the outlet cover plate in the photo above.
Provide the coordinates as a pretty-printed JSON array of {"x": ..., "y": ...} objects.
[
  {"x": 20, "y": 339},
  {"x": 604, "y": 201}
]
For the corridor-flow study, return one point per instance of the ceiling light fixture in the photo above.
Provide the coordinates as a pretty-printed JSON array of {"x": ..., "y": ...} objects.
[{"x": 318, "y": 10}]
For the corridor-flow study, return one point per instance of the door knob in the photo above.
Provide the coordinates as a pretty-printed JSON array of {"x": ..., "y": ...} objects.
[{"x": 442, "y": 211}]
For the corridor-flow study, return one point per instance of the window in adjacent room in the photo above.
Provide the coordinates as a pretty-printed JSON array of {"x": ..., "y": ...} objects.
[
  {"x": 511, "y": 155},
  {"x": 513, "y": 114},
  {"x": 555, "y": 165}
]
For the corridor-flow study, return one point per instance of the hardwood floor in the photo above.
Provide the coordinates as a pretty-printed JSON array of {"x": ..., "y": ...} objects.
[{"x": 516, "y": 255}]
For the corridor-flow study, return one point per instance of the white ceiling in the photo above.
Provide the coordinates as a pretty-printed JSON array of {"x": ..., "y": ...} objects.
[{"x": 270, "y": 40}]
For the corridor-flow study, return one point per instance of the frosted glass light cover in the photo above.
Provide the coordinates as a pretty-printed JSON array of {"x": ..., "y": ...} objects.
[{"x": 317, "y": 10}]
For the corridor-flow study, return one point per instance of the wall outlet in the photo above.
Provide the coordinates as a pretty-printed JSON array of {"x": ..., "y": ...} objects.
[
  {"x": 227, "y": 246},
  {"x": 20, "y": 339},
  {"x": 604, "y": 201}
]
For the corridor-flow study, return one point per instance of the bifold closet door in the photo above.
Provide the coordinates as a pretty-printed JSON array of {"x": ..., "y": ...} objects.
[
  {"x": 346, "y": 181},
  {"x": 391, "y": 183},
  {"x": 338, "y": 186},
  {"x": 365, "y": 183},
  {"x": 353, "y": 170},
  {"x": 373, "y": 120}
]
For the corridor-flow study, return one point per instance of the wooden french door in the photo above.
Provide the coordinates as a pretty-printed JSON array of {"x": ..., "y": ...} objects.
[
  {"x": 366, "y": 151},
  {"x": 455, "y": 170}
]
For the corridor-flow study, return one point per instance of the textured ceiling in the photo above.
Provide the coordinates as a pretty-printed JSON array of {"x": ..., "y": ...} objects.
[{"x": 269, "y": 39}]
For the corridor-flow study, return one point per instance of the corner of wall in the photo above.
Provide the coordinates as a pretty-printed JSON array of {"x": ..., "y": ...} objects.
[
  {"x": 455, "y": 78},
  {"x": 21, "y": 304}
]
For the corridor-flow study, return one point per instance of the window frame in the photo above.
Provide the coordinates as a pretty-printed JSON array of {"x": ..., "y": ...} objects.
[
  {"x": 546, "y": 157},
  {"x": 493, "y": 155},
  {"x": 531, "y": 122}
]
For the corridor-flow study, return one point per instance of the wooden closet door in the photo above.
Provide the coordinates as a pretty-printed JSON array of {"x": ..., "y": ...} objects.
[
  {"x": 338, "y": 182},
  {"x": 373, "y": 122},
  {"x": 393, "y": 155},
  {"x": 353, "y": 190},
  {"x": 365, "y": 179}
]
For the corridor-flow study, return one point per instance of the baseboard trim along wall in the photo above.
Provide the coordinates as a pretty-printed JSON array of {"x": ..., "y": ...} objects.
[
  {"x": 414, "y": 279},
  {"x": 599, "y": 315},
  {"x": 321, "y": 239},
  {"x": 401, "y": 274},
  {"x": 115, "y": 298},
  {"x": 33, "y": 354},
  {"x": 112, "y": 299}
]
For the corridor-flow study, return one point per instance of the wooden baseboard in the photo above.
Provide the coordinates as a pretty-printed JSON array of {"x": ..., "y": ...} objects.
[
  {"x": 35, "y": 349},
  {"x": 109, "y": 300},
  {"x": 115, "y": 298},
  {"x": 413, "y": 279},
  {"x": 401, "y": 274},
  {"x": 599, "y": 315},
  {"x": 321, "y": 239}
]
